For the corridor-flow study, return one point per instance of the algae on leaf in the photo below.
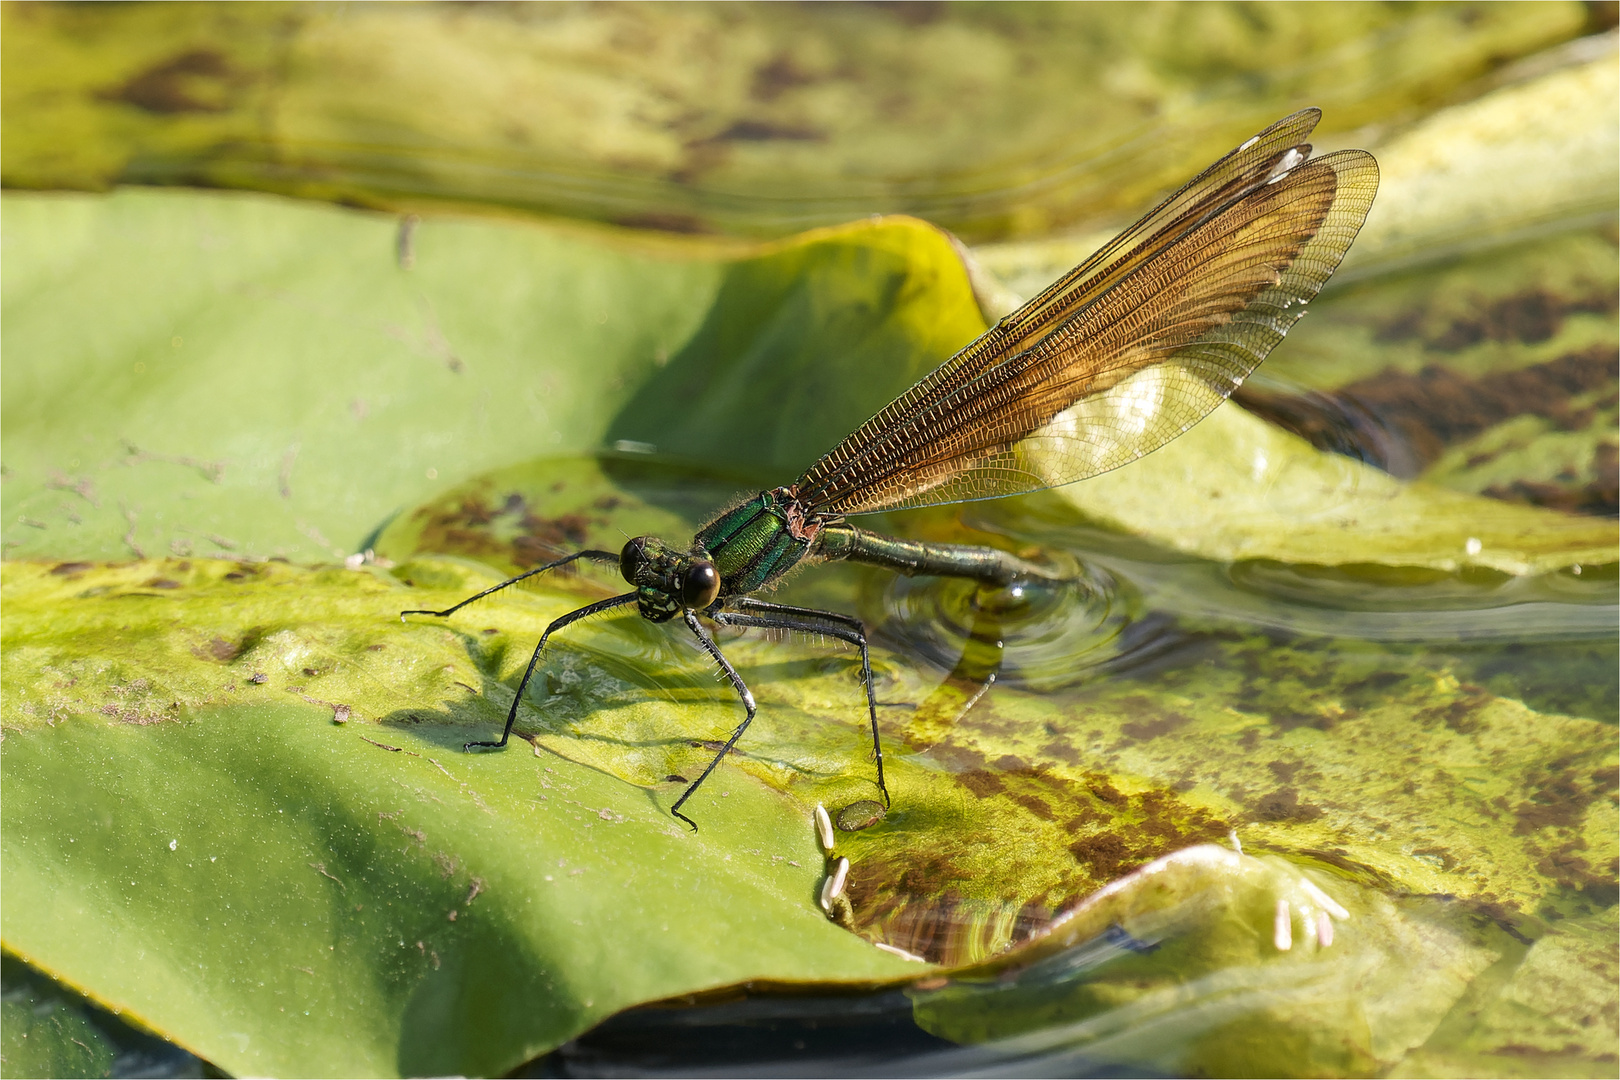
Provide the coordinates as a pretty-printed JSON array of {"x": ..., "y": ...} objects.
[{"x": 278, "y": 856}]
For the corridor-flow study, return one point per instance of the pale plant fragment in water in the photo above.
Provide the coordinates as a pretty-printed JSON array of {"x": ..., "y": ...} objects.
[{"x": 1203, "y": 959}]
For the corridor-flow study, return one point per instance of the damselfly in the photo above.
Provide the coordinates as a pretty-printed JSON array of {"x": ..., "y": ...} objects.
[{"x": 1116, "y": 358}]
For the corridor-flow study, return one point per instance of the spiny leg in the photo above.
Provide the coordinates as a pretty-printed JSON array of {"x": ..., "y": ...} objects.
[
  {"x": 572, "y": 617},
  {"x": 594, "y": 556},
  {"x": 770, "y": 616},
  {"x": 742, "y": 691}
]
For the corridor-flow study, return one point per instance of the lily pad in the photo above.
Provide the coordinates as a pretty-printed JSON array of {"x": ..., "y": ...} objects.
[
  {"x": 755, "y": 120},
  {"x": 294, "y": 869},
  {"x": 1236, "y": 487},
  {"x": 230, "y": 374}
]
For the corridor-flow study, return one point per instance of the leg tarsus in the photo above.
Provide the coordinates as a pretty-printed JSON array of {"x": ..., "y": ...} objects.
[{"x": 742, "y": 692}]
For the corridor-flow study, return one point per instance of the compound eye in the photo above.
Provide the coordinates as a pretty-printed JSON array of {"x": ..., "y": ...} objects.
[
  {"x": 701, "y": 585},
  {"x": 631, "y": 558}
]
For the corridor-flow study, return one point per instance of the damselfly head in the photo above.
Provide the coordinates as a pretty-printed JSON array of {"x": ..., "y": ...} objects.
[{"x": 663, "y": 573}]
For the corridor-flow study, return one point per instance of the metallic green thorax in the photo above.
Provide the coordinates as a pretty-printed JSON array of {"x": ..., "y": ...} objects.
[{"x": 757, "y": 542}]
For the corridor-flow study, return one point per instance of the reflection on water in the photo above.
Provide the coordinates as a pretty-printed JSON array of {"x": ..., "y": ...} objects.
[{"x": 1040, "y": 635}]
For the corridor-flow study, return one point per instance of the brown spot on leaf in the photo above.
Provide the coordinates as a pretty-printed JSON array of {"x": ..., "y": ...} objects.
[
  {"x": 1558, "y": 801},
  {"x": 1462, "y": 714},
  {"x": 1035, "y": 805},
  {"x": 1571, "y": 870},
  {"x": 777, "y": 76},
  {"x": 982, "y": 782},
  {"x": 222, "y": 650},
  {"x": 1103, "y": 853},
  {"x": 1142, "y": 730},
  {"x": 194, "y": 81},
  {"x": 1062, "y": 751},
  {"x": 1106, "y": 791},
  {"x": 664, "y": 221},
  {"x": 1284, "y": 805},
  {"x": 1283, "y": 770}
]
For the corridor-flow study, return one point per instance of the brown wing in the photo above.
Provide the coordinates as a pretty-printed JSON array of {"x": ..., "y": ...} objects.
[{"x": 1127, "y": 350}]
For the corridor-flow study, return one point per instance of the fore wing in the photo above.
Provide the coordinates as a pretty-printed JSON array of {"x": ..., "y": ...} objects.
[{"x": 1127, "y": 350}]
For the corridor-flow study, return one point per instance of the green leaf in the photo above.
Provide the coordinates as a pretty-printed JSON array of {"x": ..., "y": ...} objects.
[
  {"x": 281, "y": 892},
  {"x": 212, "y": 374},
  {"x": 1237, "y": 488}
]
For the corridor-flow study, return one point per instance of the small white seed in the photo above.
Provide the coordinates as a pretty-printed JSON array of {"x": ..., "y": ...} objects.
[
  {"x": 839, "y": 876},
  {"x": 824, "y": 829},
  {"x": 1324, "y": 928},
  {"x": 833, "y": 887},
  {"x": 1237, "y": 845},
  {"x": 1283, "y": 928}
]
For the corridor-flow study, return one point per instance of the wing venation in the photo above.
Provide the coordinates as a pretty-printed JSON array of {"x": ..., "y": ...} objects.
[{"x": 1126, "y": 351}]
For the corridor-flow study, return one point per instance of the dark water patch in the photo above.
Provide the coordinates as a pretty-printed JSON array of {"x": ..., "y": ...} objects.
[
  {"x": 1284, "y": 805},
  {"x": 1570, "y": 677}
]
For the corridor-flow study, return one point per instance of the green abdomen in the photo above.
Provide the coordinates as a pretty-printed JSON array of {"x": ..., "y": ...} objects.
[{"x": 751, "y": 545}]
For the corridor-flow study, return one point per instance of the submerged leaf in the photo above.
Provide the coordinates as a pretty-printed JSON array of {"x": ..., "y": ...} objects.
[
  {"x": 1208, "y": 961},
  {"x": 756, "y": 120}
]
